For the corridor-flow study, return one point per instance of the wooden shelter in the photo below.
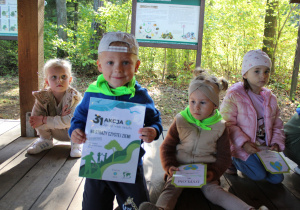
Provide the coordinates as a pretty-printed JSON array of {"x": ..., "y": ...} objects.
[{"x": 49, "y": 180}]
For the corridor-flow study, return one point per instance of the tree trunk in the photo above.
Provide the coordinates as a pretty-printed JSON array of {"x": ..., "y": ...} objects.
[
  {"x": 165, "y": 66},
  {"x": 96, "y": 36},
  {"x": 98, "y": 32},
  {"x": 296, "y": 67},
  {"x": 270, "y": 30},
  {"x": 61, "y": 11},
  {"x": 75, "y": 18}
]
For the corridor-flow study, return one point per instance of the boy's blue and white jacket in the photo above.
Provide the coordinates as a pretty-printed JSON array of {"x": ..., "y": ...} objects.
[{"x": 152, "y": 115}]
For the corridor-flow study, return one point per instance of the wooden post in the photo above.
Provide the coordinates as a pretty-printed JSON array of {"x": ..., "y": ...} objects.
[
  {"x": 200, "y": 33},
  {"x": 295, "y": 68},
  {"x": 31, "y": 53}
]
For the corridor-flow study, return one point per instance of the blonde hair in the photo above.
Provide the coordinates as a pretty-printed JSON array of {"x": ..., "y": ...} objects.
[
  {"x": 54, "y": 63},
  {"x": 205, "y": 75},
  {"x": 209, "y": 84}
]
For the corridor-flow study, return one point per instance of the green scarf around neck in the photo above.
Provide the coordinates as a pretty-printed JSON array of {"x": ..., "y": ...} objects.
[
  {"x": 101, "y": 86},
  {"x": 186, "y": 114}
]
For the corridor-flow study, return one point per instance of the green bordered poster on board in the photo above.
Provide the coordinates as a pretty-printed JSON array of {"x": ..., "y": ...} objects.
[
  {"x": 167, "y": 21},
  {"x": 8, "y": 19}
]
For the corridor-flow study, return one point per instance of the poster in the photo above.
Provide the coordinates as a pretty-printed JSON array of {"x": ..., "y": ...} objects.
[
  {"x": 273, "y": 162},
  {"x": 8, "y": 18},
  {"x": 112, "y": 148},
  {"x": 167, "y": 21},
  {"x": 190, "y": 175}
]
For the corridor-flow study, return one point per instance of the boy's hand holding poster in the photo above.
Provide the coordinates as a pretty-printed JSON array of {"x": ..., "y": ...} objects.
[
  {"x": 273, "y": 162},
  {"x": 111, "y": 151},
  {"x": 190, "y": 175}
]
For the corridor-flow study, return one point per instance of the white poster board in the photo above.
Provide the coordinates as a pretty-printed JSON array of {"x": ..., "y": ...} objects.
[
  {"x": 168, "y": 21},
  {"x": 8, "y": 19},
  {"x": 111, "y": 151}
]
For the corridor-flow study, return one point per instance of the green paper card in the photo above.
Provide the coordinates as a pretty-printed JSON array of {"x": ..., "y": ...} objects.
[
  {"x": 190, "y": 176},
  {"x": 273, "y": 162}
]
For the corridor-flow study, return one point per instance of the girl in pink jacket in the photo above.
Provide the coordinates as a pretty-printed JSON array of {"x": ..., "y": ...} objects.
[{"x": 252, "y": 114}]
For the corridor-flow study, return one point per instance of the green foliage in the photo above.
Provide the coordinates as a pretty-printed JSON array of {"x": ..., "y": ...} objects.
[
  {"x": 231, "y": 28},
  {"x": 78, "y": 46},
  {"x": 234, "y": 27},
  {"x": 9, "y": 59}
]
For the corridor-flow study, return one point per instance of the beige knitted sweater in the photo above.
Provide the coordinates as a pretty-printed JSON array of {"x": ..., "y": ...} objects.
[{"x": 45, "y": 104}]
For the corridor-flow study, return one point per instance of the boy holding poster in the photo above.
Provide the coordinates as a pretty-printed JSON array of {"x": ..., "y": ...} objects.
[
  {"x": 198, "y": 135},
  {"x": 118, "y": 62}
]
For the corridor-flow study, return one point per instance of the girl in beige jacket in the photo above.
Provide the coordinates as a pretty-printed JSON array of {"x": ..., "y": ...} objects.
[{"x": 54, "y": 106}]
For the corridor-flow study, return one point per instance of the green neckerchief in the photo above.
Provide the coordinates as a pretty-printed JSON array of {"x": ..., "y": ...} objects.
[
  {"x": 186, "y": 114},
  {"x": 101, "y": 86}
]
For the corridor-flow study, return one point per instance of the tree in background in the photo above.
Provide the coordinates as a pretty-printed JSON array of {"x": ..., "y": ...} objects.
[
  {"x": 231, "y": 28},
  {"x": 61, "y": 12},
  {"x": 270, "y": 30},
  {"x": 295, "y": 68},
  {"x": 98, "y": 31},
  {"x": 97, "y": 28}
]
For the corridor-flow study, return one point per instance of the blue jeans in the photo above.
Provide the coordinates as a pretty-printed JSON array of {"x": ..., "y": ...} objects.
[{"x": 255, "y": 170}]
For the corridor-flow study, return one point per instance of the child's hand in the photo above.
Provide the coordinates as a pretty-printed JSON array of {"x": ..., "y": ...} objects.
[
  {"x": 172, "y": 169},
  {"x": 275, "y": 147},
  {"x": 78, "y": 136},
  {"x": 250, "y": 148},
  {"x": 148, "y": 134},
  {"x": 209, "y": 176},
  {"x": 36, "y": 121},
  {"x": 65, "y": 111}
]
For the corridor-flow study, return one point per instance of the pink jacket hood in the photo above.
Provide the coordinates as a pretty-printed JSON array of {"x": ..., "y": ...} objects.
[{"x": 240, "y": 115}]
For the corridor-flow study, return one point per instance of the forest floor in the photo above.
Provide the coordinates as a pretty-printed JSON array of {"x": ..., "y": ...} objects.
[{"x": 169, "y": 98}]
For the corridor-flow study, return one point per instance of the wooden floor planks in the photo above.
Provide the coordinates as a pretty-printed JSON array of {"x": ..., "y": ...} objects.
[
  {"x": 57, "y": 194},
  {"x": 36, "y": 180},
  {"x": 50, "y": 180}
]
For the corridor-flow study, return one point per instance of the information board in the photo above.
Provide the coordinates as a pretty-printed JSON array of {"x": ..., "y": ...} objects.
[
  {"x": 167, "y": 21},
  {"x": 8, "y": 19},
  {"x": 174, "y": 24}
]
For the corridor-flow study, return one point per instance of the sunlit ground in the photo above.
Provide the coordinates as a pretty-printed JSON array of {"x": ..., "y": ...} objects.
[{"x": 168, "y": 99}]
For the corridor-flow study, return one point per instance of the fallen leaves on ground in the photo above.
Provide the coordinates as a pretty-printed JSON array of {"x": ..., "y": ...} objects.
[{"x": 169, "y": 98}]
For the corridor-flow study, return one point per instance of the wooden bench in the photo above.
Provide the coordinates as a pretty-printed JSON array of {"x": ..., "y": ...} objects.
[
  {"x": 50, "y": 180},
  {"x": 281, "y": 196}
]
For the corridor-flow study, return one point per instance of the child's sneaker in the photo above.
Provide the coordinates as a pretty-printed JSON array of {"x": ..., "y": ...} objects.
[
  {"x": 231, "y": 170},
  {"x": 76, "y": 150},
  {"x": 263, "y": 208},
  {"x": 297, "y": 170},
  {"x": 148, "y": 206},
  {"x": 39, "y": 146},
  {"x": 260, "y": 208}
]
